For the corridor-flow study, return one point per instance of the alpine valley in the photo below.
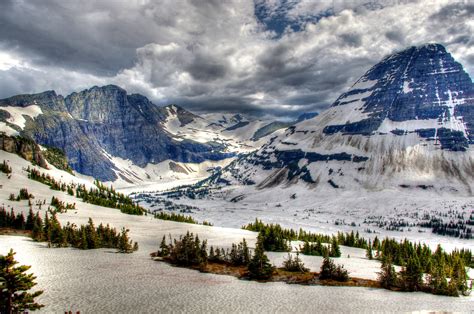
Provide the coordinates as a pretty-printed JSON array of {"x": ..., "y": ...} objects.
[
  {"x": 125, "y": 139},
  {"x": 394, "y": 153},
  {"x": 393, "y": 156}
]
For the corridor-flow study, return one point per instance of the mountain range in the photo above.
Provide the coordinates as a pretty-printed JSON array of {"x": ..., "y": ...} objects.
[
  {"x": 407, "y": 123},
  {"x": 111, "y": 135}
]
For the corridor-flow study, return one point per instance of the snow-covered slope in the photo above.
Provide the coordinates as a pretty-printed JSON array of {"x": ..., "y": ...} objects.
[
  {"x": 227, "y": 133},
  {"x": 15, "y": 118},
  {"x": 232, "y": 133},
  {"x": 75, "y": 273},
  {"x": 408, "y": 123}
]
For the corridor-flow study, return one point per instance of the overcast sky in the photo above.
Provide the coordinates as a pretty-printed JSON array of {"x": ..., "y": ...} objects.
[{"x": 276, "y": 57}]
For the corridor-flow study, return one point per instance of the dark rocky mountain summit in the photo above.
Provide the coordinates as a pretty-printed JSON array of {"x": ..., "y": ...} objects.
[
  {"x": 407, "y": 123},
  {"x": 92, "y": 125},
  {"x": 420, "y": 83}
]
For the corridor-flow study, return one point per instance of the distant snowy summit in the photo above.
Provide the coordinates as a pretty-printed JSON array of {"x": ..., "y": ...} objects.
[{"x": 408, "y": 123}]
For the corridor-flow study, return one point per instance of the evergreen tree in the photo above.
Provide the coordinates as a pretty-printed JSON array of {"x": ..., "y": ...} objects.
[
  {"x": 57, "y": 237},
  {"x": 124, "y": 244},
  {"x": 46, "y": 229},
  {"x": 329, "y": 270},
  {"x": 368, "y": 252},
  {"x": 294, "y": 264},
  {"x": 387, "y": 275},
  {"x": 459, "y": 275},
  {"x": 335, "y": 250},
  {"x": 30, "y": 220},
  {"x": 14, "y": 286},
  {"x": 259, "y": 266},
  {"x": 37, "y": 233},
  {"x": 412, "y": 275},
  {"x": 164, "y": 249},
  {"x": 84, "y": 244},
  {"x": 92, "y": 240},
  {"x": 245, "y": 253}
]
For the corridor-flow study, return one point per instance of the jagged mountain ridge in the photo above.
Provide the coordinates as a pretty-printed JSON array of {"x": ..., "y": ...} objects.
[
  {"x": 92, "y": 125},
  {"x": 109, "y": 134},
  {"x": 407, "y": 123}
]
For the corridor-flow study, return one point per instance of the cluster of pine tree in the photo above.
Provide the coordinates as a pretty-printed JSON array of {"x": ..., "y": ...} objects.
[
  {"x": 457, "y": 229},
  {"x": 175, "y": 217},
  {"x": 329, "y": 270},
  {"x": 277, "y": 239},
  {"x": 319, "y": 249},
  {"x": 61, "y": 207},
  {"x": 411, "y": 277},
  {"x": 102, "y": 195},
  {"x": 84, "y": 237},
  {"x": 239, "y": 254},
  {"x": 5, "y": 168},
  {"x": 8, "y": 219},
  {"x": 400, "y": 252},
  {"x": 352, "y": 239},
  {"x": 50, "y": 230},
  {"x": 108, "y": 197},
  {"x": 294, "y": 264},
  {"x": 274, "y": 237},
  {"x": 36, "y": 175},
  {"x": 189, "y": 250},
  {"x": 22, "y": 195},
  {"x": 259, "y": 266}
]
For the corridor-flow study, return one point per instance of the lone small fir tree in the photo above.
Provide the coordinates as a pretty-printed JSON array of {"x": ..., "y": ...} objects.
[
  {"x": 259, "y": 266},
  {"x": 14, "y": 286},
  {"x": 125, "y": 244},
  {"x": 294, "y": 264}
]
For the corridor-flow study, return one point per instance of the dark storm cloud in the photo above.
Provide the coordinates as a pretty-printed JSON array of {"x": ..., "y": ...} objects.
[
  {"x": 51, "y": 33},
  {"x": 204, "y": 104},
  {"x": 218, "y": 55},
  {"x": 351, "y": 39},
  {"x": 205, "y": 68},
  {"x": 395, "y": 35}
]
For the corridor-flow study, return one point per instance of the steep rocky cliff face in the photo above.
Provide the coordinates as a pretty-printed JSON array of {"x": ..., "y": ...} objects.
[
  {"x": 407, "y": 123},
  {"x": 95, "y": 124},
  {"x": 25, "y": 148}
]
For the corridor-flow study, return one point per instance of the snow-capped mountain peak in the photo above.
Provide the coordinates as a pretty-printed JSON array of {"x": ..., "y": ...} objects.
[{"x": 408, "y": 122}]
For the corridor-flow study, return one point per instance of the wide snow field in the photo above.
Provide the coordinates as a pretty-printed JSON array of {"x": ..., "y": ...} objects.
[
  {"x": 102, "y": 281},
  {"x": 319, "y": 212}
]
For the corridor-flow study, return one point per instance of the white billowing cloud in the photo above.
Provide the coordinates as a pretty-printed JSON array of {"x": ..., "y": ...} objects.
[{"x": 216, "y": 55}]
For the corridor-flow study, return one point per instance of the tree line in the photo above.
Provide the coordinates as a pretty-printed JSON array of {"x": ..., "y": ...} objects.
[
  {"x": 175, "y": 217},
  {"x": 101, "y": 195},
  {"x": 190, "y": 251},
  {"x": 276, "y": 238},
  {"x": 416, "y": 259},
  {"x": 438, "y": 278},
  {"x": 83, "y": 237}
]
